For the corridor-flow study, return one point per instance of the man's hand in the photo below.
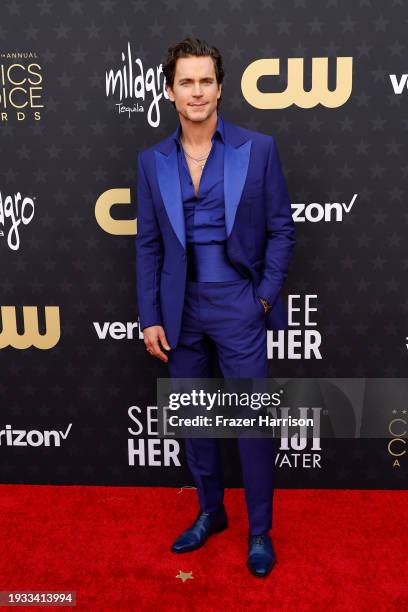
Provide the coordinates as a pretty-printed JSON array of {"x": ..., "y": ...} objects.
[
  {"x": 152, "y": 336},
  {"x": 265, "y": 304}
]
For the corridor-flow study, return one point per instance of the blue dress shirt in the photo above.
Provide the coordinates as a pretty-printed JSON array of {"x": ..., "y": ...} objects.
[{"x": 204, "y": 215}]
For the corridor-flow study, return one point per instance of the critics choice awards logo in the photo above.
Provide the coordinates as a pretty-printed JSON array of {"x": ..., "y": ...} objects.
[{"x": 21, "y": 86}]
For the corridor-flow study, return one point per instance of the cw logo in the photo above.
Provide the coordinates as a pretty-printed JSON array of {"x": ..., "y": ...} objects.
[
  {"x": 108, "y": 199},
  {"x": 294, "y": 92},
  {"x": 31, "y": 336}
]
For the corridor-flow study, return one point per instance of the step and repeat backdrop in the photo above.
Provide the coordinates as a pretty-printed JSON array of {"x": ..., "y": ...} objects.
[{"x": 81, "y": 93}]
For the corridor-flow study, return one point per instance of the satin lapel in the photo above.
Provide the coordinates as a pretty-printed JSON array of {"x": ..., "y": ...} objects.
[
  {"x": 169, "y": 184},
  {"x": 236, "y": 161}
]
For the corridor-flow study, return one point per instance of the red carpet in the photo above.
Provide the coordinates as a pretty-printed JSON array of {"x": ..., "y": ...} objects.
[{"x": 337, "y": 550}]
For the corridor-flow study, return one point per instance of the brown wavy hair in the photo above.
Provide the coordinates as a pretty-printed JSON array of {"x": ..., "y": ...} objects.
[{"x": 185, "y": 48}]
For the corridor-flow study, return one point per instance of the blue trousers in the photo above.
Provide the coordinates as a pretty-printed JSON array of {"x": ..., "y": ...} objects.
[{"x": 226, "y": 318}]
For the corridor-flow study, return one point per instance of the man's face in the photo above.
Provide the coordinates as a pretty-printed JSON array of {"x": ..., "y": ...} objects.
[{"x": 195, "y": 89}]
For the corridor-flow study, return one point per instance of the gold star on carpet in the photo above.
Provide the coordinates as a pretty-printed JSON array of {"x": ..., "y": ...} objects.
[{"x": 185, "y": 575}]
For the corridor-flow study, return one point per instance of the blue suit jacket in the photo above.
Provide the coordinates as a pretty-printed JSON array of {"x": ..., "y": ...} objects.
[{"x": 259, "y": 225}]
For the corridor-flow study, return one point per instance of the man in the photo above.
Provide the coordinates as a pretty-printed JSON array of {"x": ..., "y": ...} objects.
[{"x": 214, "y": 241}]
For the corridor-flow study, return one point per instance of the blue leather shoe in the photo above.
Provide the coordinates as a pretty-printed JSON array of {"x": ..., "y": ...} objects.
[
  {"x": 261, "y": 556},
  {"x": 205, "y": 524}
]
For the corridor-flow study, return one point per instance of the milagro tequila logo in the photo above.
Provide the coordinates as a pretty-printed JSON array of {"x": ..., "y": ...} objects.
[
  {"x": 14, "y": 210},
  {"x": 132, "y": 83}
]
